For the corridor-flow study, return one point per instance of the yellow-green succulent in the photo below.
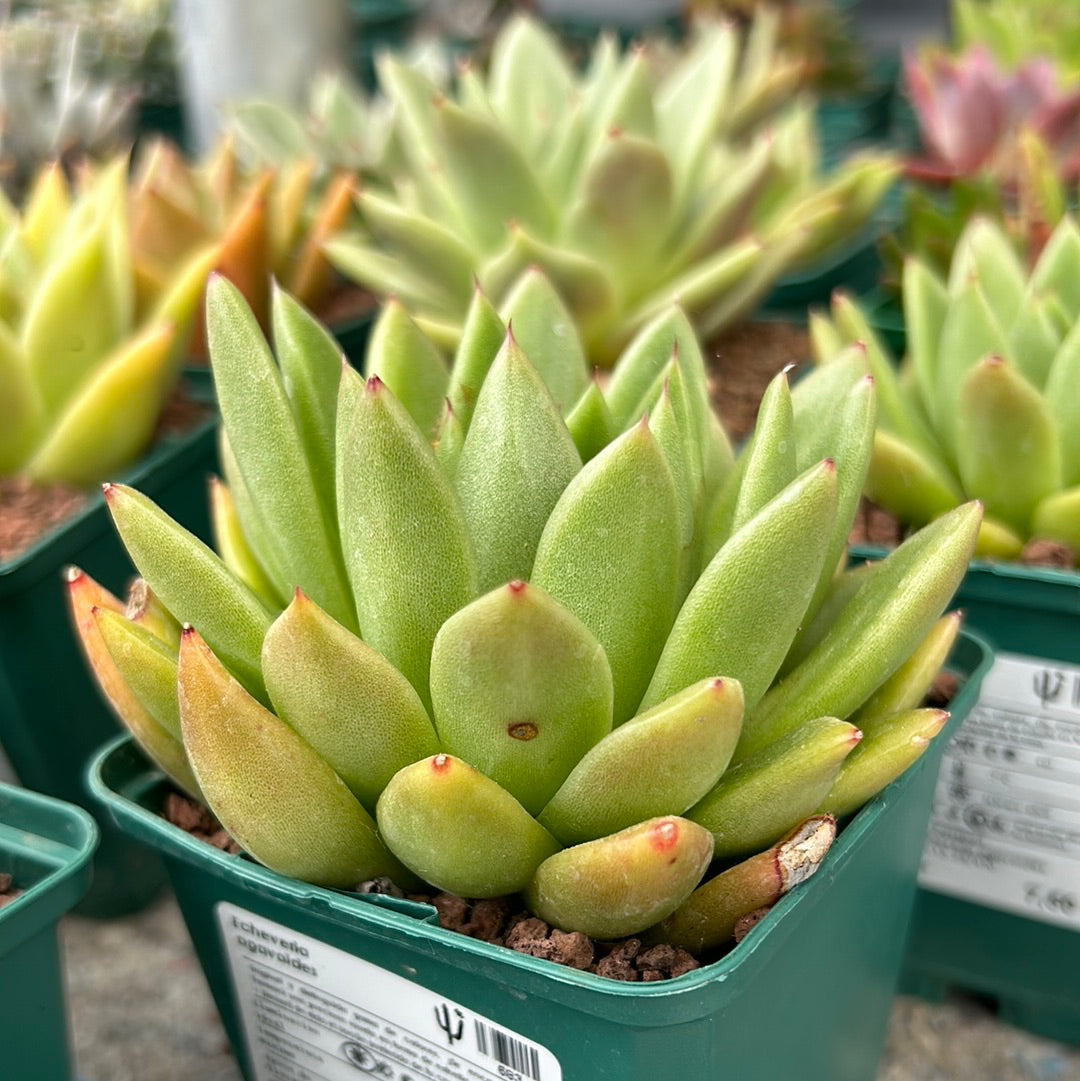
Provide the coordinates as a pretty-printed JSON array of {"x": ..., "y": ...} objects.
[
  {"x": 577, "y": 659},
  {"x": 631, "y": 187},
  {"x": 86, "y": 360},
  {"x": 984, "y": 405}
]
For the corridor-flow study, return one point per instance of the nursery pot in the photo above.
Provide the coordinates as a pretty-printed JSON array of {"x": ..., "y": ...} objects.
[
  {"x": 45, "y": 845},
  {"x": 51, "y": 715},
  {"x": 998, "y": 911},
  {"x": 310, "y": 979}
]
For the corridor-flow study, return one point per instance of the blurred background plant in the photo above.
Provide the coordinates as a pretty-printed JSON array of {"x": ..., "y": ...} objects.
[{"x": 72, "y": 75}]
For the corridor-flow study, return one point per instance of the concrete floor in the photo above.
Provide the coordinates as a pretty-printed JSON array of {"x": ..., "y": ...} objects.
[{"x": 141, "y": 1011}]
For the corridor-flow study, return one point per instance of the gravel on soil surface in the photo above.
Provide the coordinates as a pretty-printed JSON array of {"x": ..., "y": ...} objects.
[{"x": 141, "y": 1011}]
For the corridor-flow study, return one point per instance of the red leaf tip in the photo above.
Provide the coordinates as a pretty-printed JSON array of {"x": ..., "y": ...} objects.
[
  {"x": 664, "y": 834},
  {"x": 440, "y": 763},
  {"x": 517, "y": 587}
]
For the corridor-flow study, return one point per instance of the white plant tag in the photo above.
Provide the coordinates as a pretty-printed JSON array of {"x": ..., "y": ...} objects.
[
  {"x": 311, "y": 1012},
  {"x": 1005, "y": 829}
]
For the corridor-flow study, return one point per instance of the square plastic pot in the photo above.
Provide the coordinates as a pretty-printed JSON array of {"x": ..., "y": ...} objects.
[
  {"x": 998, "y": 911},
  {"x": 46, "y": 846},
  {"x": 313, "y": 979},
  {"x": 51, "y": 716}
]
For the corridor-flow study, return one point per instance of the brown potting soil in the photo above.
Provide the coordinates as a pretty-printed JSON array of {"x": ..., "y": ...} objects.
[
  {"x": 874, "y": 525},
  {"x": 29, "y": 511},
  {"x": 741, "y": 363},
  {"x": 501, "y": 921},
  {"x": 8, "y": 892}
]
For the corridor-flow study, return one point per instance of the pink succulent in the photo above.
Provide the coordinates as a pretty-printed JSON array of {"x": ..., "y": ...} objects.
[{"x": 970, "y": 112}]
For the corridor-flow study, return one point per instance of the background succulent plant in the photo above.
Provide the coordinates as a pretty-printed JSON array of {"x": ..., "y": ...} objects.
[
  {"x": 628, "y": 187},
  {"x": 1015, "y": 30},
  {"x": 87, "y": 354},
  {"x": 270, "y": 223},
  {"x": 504, "y": 669},
  {"x": 341, "y": 130},
  {"x": 984, "y": 404},
  {"x": 53, "y": 107}
]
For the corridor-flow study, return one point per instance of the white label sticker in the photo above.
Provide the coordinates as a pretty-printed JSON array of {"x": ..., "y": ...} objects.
[
  {"x": 1005, "y": 830},
  {"x": 311, "y": 1012}
]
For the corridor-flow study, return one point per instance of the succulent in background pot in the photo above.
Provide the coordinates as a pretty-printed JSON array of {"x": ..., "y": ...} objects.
[
  {"x": 984, "y": 404},
  {"x": 629, "y": 187}
]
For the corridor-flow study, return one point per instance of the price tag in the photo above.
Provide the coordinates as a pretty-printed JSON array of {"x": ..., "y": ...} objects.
[
  {"x": 311, "y": 1012},
  {"x": 1005, "y": 829}
]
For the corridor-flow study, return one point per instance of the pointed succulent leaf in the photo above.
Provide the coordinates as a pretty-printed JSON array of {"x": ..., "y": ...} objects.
[
  {"x": 888, "y": 617},
  {"x": 770, "y": 456},
  {"x": 815, "y": 396},
  {"x": 263, "y": 541},
  {"x": 842, "y": 588},
  {"x": 1008, "y": 450},
  {"x": 971, "y": 332},
  {"x": 894, "y": 744},
  {"x": 71, "y": 322},
  {"x": 460, "y": 831},
  {"x": 192, "y": 582},
  {"x": 986, "y": 254},
  {"x": 1057, "y": 517},
  {"x": 623, "y": 215},
  {"x": 590, "y": 423},
  {"x": 545, "y": 330},
  {"x": 757, "y": 801},
  {"x": 520, "y": 689},
  {"x": 449, "y": 439},
  {"x": 1062, "y": 397},
  {"x": 429, "y": 246},
  {"x": 744, "y": 611},
  {"x": 111, "y": 418},
  {"x": 908, "y": 685},
  {"x": 20, "y": 406},
  {"x": 269, "y": 451},
  {"x": 1055, "y": 271},
  {"x": 668, "y": 431},
  {"x": 621, "y": 884},
  {"x": 707, "y": 918},
  {"x": 411, "y": 368},
  {"x": 1034, "y": 339},
  {"x": 481, "y": 338},
  {"x": 628, "y": 101},
  {"x": 403, "y": 532},
  {"x": 530, "y": 82},
  {"x": 998, "y": 541},
  {"x": 610, "y": 553},
  {"x": 517, "y": 453},
  {"x": 310, "y": 362},
  {"x": 926, "y": 304},
  {"x": 349, "y": 703},
  {"x": 581, "y": 281},
  {"x": 914, "y": 486},
  {"x": 660, "y": 762},
  {"x": 490, "y": 179},
  {"x": 275, "y": 796},
  {"x": 87, "y": 600}
]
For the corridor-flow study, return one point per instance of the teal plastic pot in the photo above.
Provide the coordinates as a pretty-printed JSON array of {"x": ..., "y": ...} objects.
[
  {"x": 52, "y": 717},
  {"x": 312, "y": 977},
  {"x": 998, "y": 909},
  {"x": 46, "y": 847}
]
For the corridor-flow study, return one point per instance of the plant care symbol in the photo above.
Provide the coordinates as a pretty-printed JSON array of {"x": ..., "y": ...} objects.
[
  {"x": 1048, "y": 685},
  {"x": 453, "y": 1028},
  {"x": 356, "y": 1054}
]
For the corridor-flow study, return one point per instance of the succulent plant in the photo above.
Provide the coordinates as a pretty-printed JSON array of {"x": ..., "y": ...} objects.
[
  {"x": 970, "y": 113},
  {"x": 86, "y": 357},
  {"x": 984, "y": 403},
  {"x": 52, "y": 108},
  {"x": 1016, "y": 30},
  {"x": 496, "y": 667},
  {"x": 627, "y": 191},
  {"x": 341, "y": 130},
  {"x": 268, "y": 224}
]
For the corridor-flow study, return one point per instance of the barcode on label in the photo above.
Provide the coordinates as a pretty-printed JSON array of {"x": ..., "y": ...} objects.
[{"x": 507, "y": 1051}]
